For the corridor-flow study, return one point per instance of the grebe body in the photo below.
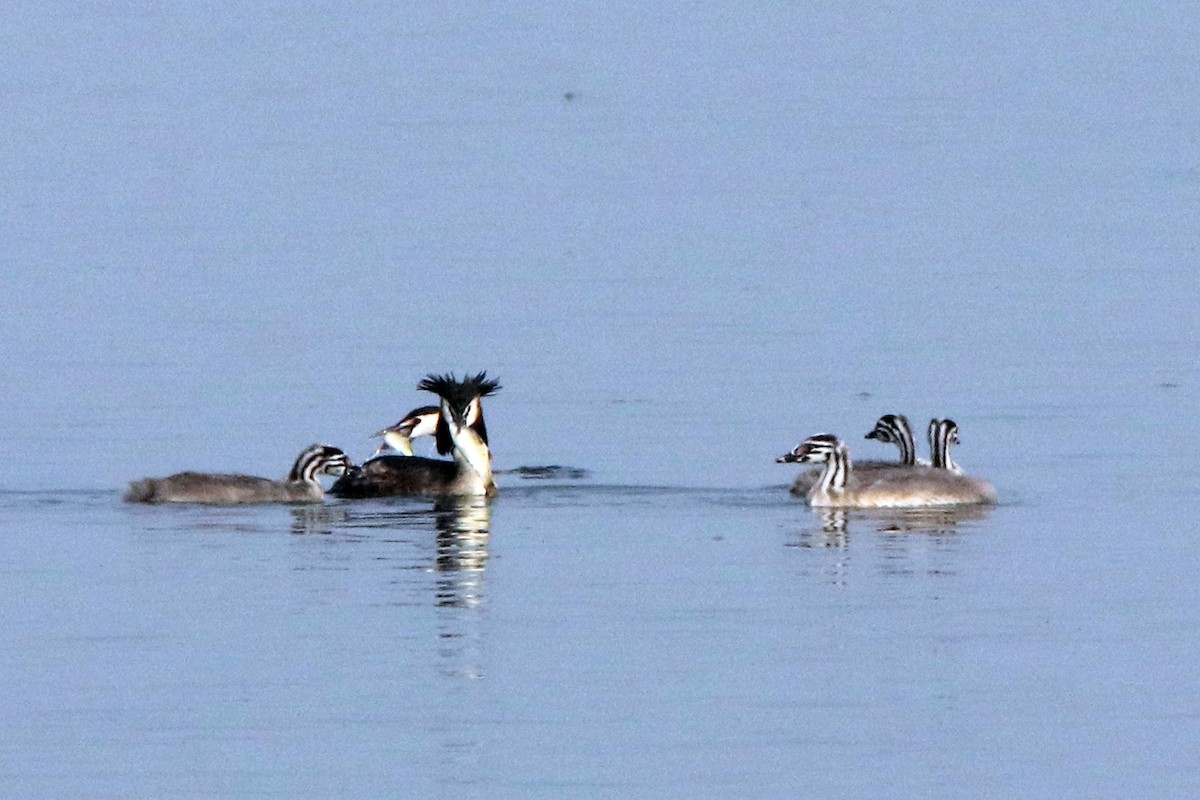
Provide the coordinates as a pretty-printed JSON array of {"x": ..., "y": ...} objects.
[
  {"x": 842, "y": 485},
  {"x": 460, "y": 432},
  {"x": 302, "y": 484}
]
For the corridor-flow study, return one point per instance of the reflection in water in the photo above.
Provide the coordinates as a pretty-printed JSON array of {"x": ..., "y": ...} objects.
[
  {"x": 549, "y": 472},
  {"x": 462, "y": 541},
  {"x": 403, "y": 533},
  {"x": 459, "y": 534},
  {"x": 831, "y": 533},
  {"x": 317, "y": 518},
  {"x": 835, "y": 524},
  {"x": 463, "y": 528},
  {"x": 932, "y": 521},
  {"x": 907, "y": 541}
]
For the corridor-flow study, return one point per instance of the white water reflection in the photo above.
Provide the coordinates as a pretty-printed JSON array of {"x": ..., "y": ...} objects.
[{"x": 463, "y": 526}]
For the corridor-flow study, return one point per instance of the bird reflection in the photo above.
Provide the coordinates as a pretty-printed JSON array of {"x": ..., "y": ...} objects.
[
  {"x": 317, "y": 518},
  {"x": 931, "y": 521},
  {"x": 462, "y": 551},
  {"x": 834, "y": 526},
  {"x": 463, "y": 525},
  {"x": 830, "y": 534}
]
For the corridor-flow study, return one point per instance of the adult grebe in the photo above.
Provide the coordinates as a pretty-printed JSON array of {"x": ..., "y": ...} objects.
[{"x": 460, "y": 431}]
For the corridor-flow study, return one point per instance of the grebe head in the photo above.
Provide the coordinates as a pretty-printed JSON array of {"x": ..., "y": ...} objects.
[
  {"x": 460, "y": 407},
  {"x": 894, "y": 429},
  {"x": 319, "y": 459},
  {"x": 951, "y": 431},
  {"x": 815, "y": 449},
  {"x": 460, "y": 427},
  {"x": 942, "y": 434},
  {"x": 418, "y": 422},
  {"x": 890, "y": 429}
]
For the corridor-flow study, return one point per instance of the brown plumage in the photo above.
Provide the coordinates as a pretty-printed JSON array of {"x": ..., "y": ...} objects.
[
  {"x": 842, "y": 484},
  {"x": 301, "y": 485}
]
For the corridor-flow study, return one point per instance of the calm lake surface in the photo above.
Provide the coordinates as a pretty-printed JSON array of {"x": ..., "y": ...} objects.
[{"x": 684, "y": 237}]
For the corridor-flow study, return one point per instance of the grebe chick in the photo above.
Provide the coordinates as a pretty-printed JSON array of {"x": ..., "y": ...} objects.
[
  {"x": 301, "y": 485},
  {"x": 894, "y": 429},
  {"x": 841, "y": 486},
  {"x": 460, "y": 431},
  {"x": 890, "y": 429},
  {"x": 416, "y": 423},
  {"x": 942, "y": 434}
]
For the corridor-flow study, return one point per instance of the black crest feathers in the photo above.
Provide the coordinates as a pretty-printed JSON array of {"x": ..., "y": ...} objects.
[{"x": 458, "y": 395}]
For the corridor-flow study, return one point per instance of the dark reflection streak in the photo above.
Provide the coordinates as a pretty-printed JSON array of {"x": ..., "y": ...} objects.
[{"x": 317, "y": 518}]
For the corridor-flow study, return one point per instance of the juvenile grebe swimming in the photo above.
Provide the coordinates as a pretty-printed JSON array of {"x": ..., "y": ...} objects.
[
  {"x": 841, "y": 486},
  {"x": 460, "y": 431},
  {"x": 890, "y": 429},
  {"x": 301, "y": 485}
]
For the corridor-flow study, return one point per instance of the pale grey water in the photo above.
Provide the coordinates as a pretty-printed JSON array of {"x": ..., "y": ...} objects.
[{"x": 229, "y": 233}]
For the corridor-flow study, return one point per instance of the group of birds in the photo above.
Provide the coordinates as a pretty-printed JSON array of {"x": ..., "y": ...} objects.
[
  {"x": 457, "y": 426},
  {"x": 907, "y": 483}
]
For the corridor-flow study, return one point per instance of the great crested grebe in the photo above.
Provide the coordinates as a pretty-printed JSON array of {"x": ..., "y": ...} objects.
[
  {"x": 300, "y": 486},
  {"x": 894, "y": 429},
  {"x": 890, "y": 429},
  {"x": 460, "y": 431},
  {"x": 416, "y": 423},
  {"x": 841, "y": 486},
  {"x": 942, "y": 434}
]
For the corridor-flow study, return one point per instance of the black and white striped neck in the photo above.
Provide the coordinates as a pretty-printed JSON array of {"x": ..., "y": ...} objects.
[
  {"x": 942, "y": 434},
  {"x": 837, "y": 469},
  {"x": 894, "y": 429},
  {"x": 827, "y": 449},
  {"x": 318, "y": 459}
]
